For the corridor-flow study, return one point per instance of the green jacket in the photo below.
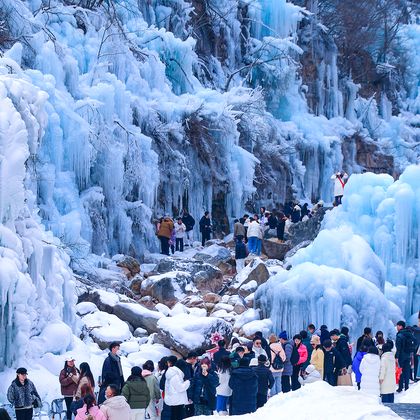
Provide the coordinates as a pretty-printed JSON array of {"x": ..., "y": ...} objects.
[{"x": 136, "y": 392}]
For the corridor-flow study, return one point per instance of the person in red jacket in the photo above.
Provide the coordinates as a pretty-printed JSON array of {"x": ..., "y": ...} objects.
[
  {"x": 69, "y": 379},
  {"x": 303, "y": 356}
]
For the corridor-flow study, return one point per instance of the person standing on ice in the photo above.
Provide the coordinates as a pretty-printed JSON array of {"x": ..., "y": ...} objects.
[
  {"x": 180, "y": 230},
  {"x": 340, "y": 179},
  {"x": 69, "y": 379},
  {"x": 189, "y": 223},
  {"x": 112, "y": 372},
  {"x": 288, "y": 367},
  {"x": 387, "y": 374},
  {"x": 164, "y": 234},
  {"x": 22, "y": 394},
  {"x": 342, "y": 346},
  {"x": 115, "y": 407},
  {"x": 205, "y": 227},
  {"x": 406, "y": 345},
  {"x": 369, "y": 368}
]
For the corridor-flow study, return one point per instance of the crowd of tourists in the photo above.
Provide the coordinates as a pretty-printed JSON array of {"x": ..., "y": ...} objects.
[{"x": 232, "y": 379}]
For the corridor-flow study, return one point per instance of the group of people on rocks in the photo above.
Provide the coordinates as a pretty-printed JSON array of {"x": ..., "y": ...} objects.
[{"x": 231, "y": 380}]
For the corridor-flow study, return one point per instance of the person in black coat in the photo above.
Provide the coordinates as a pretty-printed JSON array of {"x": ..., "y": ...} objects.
[
  {"x": 265, "y": 380},
  {"x": 333, "y": 363},
  {"x": 111, "y": 371},
  {"x": 325, "y": 334},
  {"x": 281, "y": 224},
  {"x": 342, "y": 346},
  {"x": 222, "y": 352},
  {"x": 205, "y": 228},
  {"x": 403, "y": 355},
  {"x": 204, "y": 389},
  {"x": 366, "y": 339},
  {"x": 189, "y": 223},
  {"x": 244, "y": 385}
]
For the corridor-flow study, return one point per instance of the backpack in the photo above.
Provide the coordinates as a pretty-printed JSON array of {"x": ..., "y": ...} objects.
[
  {"x": 410, "y": 344},
  {"x": 294, "y": 357},
  {"x": 277, "y": 361}
]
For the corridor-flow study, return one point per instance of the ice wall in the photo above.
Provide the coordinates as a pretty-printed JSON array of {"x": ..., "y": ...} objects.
[
  {"x": 36, "y": 284},
  {"x": 364, "y": 263}
]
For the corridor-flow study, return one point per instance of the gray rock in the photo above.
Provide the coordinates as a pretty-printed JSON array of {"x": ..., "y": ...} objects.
[
  {"x": 293, "y": 251},
  {"x": 130, "y": 264},
  {"x": 308, "y": 230},
  {"x": 215, "y": 255},
  {"x": 255, "y": 270},
  {"x": 275, "y": 249}
]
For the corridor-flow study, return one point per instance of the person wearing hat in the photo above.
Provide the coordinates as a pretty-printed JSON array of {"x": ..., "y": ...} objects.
[
  {"x": 317, "y": 356},
  {"x": 23, "y": 395},
  {"x": 265, "y": 379},
  {"x": 288, "y": 368},
  {"x": 137, "y": 393},
  {"x": 244, "y": 385},
  {"x": 69, "y": 380},
  {"x": 112, "y": 372}
]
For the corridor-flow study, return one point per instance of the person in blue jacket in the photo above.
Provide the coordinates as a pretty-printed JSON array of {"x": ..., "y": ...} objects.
[
  {"x": 244, "y": 385},
  {"x": 356, "y": 362},
  {"x": 111, "y": 371},
  {"x": 204, "y": 389}
]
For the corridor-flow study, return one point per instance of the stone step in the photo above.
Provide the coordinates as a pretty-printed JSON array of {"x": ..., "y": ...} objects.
[{"x": 406, "y": 411}]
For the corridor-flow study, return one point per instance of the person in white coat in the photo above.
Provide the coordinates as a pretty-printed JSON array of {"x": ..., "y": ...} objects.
[
  {"x": 223, "y": 391},
  {"x": 180, "y": 230},
  {"x": 340, "y": 179},
  {"x": 369, "y": 368},
  {"x": 309, "y": 376},
  {"x": 254, "y": 236},
  {"x": 175, "y": 390},
  {"x": 387, "y": 374}
]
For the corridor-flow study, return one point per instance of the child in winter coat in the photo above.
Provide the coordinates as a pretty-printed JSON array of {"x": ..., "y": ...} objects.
[
  {"x": 369, "y": 368},
  {"x": 356, "y": 364},
  {"x": 387, "y": 374}
]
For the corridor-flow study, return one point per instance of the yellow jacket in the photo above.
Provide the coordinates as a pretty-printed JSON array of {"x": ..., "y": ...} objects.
[{"x": 317, "y": 359}]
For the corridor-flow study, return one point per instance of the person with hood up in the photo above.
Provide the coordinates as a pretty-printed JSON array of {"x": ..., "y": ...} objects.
[
  {"x": 357, "y": 360},
  {"x": 342, "y": 345},
  {"x": 265, "y": 380},
  {"x": 153, "y": 386},
  {"x": 387, "y": 374},
  {"x": 164, "y": 234},
  {"x": 23, "y": 395},
  {"x": 369, "y": 368},
  {"x": 175, "y": 396},
  {"x": 310, "y": 375},
  {"x": 69, "y": 379},
  {"x": 90, "y": 411},
  {"x": 112, "y": 372},
  {"x": 288, "y": 368},
  {"x": 137, "y": 393},
  {"x": 223, "y": 391},
  {"x": 254, "y": 236},
  {"x": 340, "y": 179},
  {"x": 244, "y": 385},
  {"x": 204, "y": 389},
  {"x": 278, "y": 357},
  {"x": 115, "y": 407},
  {"x": 303, "y": 357},
  {"x": 317, "y": 355}
]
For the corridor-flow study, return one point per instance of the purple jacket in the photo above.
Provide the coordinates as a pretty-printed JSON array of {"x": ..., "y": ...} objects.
[{"x": 356, "y": 365}]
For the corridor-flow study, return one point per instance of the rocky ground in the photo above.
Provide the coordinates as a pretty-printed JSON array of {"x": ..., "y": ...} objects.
[{"x": 187, "y": 300}]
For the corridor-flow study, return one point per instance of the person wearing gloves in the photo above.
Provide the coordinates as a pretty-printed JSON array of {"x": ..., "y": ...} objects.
[
  {"x": 387, "y": 374},
  {"x": 23, "y": 395},
  {"x": 340, "y": 179},
  {"x": 369, "y": 368},
  {"x": 310, "y": 375},
  {"x": 115, "y": 407},
  {"x": 175, "y": 390},
  {"x": 69, "y": 381}
]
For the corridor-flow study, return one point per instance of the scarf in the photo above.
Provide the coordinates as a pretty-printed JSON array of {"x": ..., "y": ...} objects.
[{"x": 118, "y": 360}]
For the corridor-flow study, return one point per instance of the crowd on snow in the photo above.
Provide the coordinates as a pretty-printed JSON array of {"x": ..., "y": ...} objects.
[
  {"x": 248, "y": 230},
  {"x": 234, "y": 380}
]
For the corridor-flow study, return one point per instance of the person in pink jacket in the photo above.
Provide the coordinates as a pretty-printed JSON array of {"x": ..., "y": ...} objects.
[
  {"x": 90, "y": 411},
  {"x": 276, "y": 348},
  {"x": 303, "y": 356}
]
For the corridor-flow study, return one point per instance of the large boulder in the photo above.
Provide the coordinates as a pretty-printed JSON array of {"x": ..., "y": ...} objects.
[
  {"x": 216, "y": 255},
  {"x": 254, "y": 271},
  {"x": 184, "y": 333},
  {"x": 206, "y": 277},
  {"x": 130, "y": 265},
  {"x": 169, "y": 288},
  {"x": 275, "y": 249}
]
